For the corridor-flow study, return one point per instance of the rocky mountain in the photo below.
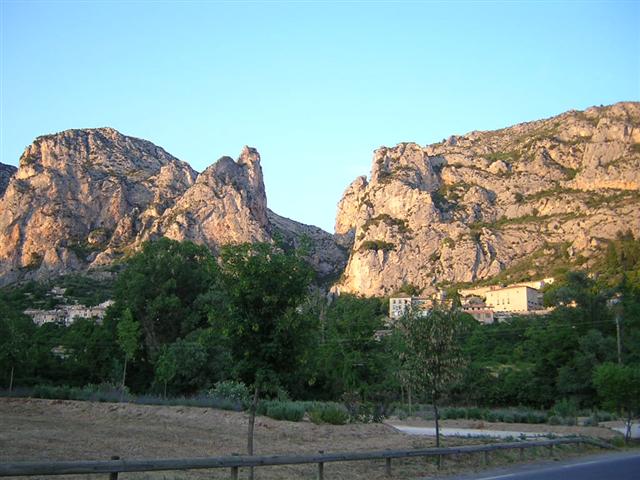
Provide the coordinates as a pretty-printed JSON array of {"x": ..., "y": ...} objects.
[
  {"x": 507, "y": 204},
  {"x": 511, "y": 202},
  {"x": 6, "y": 172},
  {"x": 84, "y": 198}
]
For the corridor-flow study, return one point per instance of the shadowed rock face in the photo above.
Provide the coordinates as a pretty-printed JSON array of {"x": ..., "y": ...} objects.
[
  {"x": 471, "y": 206},
  {"x": 6, "y": 172},
  {"x": 83, "y": 198}
]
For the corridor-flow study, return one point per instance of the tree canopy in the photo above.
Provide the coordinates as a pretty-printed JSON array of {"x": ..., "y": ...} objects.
[{"x": 161, "y": 287}]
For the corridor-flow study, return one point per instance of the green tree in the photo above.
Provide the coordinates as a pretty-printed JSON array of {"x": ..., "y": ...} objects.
[
  {"x": 188, "y": 358},
  {"x": 575, "y": 378},
  {"x": 434, "y": 357},
  {"x": 264, "y": 286},
  {"x": 619, "y": 388},
  {"x": 15, "y": 335},
  {"x": 165, "y": 368},
  {"x": 91, "y": 348},
  {"x": 163, "y": 286},
  {"x": 129, "y": 340},
  {"x": 349, "y": 357}
]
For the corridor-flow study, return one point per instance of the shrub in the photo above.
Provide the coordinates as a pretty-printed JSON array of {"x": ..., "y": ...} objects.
[
  {"x": 508, "y": 417},
  {"x": 452, "y": 413},
  {"x": 565, "y": 408},
  {"x": 604, "y": 416},
  {"x": 329, "y": 413},
  {"x": 492, "y": 416},
  {"x": 231, "y": 390},
  {"x": 475, "y": 413},
  {"x": 377, "y": 245},
  {"x": 519, "y": 416},
  {"x": 285, "y": 411},
  {"x": 555, "y": 420},
  {"x": 536, "y": 417},
  {"x": 102, "y": 392},
  {"x": 364, "y": 412}
]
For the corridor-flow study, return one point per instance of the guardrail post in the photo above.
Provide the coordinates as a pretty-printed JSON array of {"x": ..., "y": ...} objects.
[
  {"x": 387, "y": 466},
  {"x": 114, "y": 475},
  {"x": 551, "y": 450},
  {"x": 486, "y": 457},
  {"x": 320, "y": 467},
  {"x": 521, "y": 453},
  {"x": 234, "y": 470}
]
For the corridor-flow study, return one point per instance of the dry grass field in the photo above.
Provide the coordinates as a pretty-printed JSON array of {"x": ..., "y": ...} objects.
[{"x": 34, "y": 429}]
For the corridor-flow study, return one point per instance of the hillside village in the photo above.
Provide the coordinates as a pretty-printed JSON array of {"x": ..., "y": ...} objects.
[
  {"x": 485, "y": 304},
  {"x": 66, "y": 313}
]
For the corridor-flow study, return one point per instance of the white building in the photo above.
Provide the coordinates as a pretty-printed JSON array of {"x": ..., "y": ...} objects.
[
  {"x": 516, "y": 298},
  {"x": 67, "y": 314},
  {"x": 398, "y": 306}
]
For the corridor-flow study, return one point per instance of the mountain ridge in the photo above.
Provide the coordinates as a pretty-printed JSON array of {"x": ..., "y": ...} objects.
[
  {"x": 468, "y": 208},
  {"x": 83, "y": 198}
]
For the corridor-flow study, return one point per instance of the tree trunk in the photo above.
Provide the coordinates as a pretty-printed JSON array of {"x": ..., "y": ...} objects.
[
  {"x": 11, "y": 379},
  {"x": 409, "y": 397},
  {"x": 124, "y": 376},
  {"x": 627, "y": 433},
  {"x": 252, "y": 421},
  {"x": 437, "y": 417},
  {"x": 165, "y": 389}
]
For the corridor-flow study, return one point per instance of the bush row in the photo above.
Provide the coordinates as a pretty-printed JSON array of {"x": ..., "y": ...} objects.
[
  {"x": 226, "y": 396},
  {"x": 506, "y": 415}
]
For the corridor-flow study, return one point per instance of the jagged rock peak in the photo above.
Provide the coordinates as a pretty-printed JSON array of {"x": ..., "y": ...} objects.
[
  {"x": 6, "y": 173},
  {"x": 227, "y": 204}
]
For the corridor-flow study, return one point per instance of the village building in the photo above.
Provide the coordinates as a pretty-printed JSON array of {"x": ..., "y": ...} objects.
[
  {"x": 67, "y": 314},
  {"x": 398, "y": 306},
  {"x": 478, "y": 309},
  {"x": 515, "y": 298}
]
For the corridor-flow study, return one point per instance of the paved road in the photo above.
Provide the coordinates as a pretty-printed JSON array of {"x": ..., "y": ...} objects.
[
  {"x": 468, "y": 432},
  {"x": 635, "y": 430},
  {"x": 614, "y": 466}
]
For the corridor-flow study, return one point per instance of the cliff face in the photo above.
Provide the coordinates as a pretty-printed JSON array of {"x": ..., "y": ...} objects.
[
  {"x": 462, "y": 210},
  {"x": 83, "y": 198},
  {"x": 82, "y": 192},
  {"x": 227, "y": 204},
  {"x": 6, "y": 172},
  {"x": 474, "y": 205}
]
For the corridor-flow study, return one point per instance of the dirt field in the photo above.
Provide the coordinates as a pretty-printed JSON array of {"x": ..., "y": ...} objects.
[{"x": 33, "y": 429}]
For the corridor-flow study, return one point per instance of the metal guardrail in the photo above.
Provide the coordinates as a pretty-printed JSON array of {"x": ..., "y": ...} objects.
[{"x": 116, "y": 466}]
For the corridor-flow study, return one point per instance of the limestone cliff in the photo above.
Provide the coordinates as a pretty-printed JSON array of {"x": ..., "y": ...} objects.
[
  {"x": 227, "y": 204},
  {"x": 6, "y": 172},
  {"x": 80, "y": 193},
  {"x": 84, "y": 198},
  {"x": 474, "y": 205}
]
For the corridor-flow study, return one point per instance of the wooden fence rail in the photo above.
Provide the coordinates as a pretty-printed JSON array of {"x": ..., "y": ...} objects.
[{"x": 113, "y": 467}]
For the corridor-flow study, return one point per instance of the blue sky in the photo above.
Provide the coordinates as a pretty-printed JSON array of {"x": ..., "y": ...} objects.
[{"x": 316, "y": 87}]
